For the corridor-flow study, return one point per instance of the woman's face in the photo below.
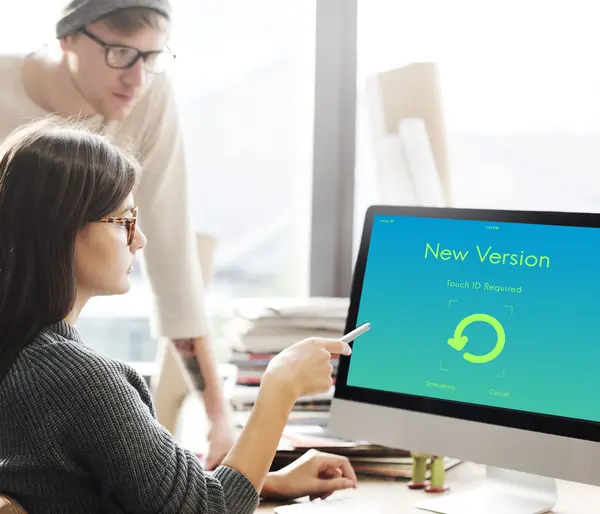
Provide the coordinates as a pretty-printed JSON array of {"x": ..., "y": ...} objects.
[{"x": 103, "y": 259}]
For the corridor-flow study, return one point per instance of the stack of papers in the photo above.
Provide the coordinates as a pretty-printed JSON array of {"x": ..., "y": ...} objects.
[{"x": 260, "y": 326}]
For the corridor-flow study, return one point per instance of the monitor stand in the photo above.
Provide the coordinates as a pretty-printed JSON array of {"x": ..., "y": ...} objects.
[{"x": 502, "y": 492}]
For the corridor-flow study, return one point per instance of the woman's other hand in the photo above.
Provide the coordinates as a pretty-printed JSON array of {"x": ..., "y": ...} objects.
[{"x": 315, "y": 474}]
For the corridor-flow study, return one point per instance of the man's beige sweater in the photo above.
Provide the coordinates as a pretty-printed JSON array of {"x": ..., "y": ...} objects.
[{"x": 153, "y": 133}]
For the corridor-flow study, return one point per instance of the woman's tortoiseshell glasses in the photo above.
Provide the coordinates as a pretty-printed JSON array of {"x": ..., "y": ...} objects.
[{"x": 128, "y": 222}]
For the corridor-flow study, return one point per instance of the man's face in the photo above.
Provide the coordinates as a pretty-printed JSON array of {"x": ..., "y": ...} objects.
[{"x": 111, "y": 92}]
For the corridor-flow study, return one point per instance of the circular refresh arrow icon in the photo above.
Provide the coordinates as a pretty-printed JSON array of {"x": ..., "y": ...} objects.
[{"x": 458, "y": 341}]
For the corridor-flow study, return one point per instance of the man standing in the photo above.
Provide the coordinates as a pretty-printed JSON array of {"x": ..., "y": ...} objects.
[{"x": 109, "y": 72}]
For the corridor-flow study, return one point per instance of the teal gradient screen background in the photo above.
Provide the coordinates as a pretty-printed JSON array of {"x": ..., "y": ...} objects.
[{"x": 549, "y": 312}]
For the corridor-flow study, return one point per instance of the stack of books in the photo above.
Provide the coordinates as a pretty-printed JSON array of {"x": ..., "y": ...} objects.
[
  {"x": 266, "y": 326},
  {"x": 260, "y": 329},
  {"x": 309, "y": 411}
]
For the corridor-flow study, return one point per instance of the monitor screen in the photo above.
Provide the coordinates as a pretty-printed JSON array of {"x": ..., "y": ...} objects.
[{"x": 486, "y": 313}]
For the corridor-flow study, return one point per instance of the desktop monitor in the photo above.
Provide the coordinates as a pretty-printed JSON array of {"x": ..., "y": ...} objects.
[{"x": 484, "y": 346}]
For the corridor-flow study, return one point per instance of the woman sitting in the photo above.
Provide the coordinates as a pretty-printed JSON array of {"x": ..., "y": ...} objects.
[{"x": 77, "y": 430}]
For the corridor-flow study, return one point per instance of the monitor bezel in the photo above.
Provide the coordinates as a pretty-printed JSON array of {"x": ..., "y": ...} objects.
[{"x": 548, "y": 424}]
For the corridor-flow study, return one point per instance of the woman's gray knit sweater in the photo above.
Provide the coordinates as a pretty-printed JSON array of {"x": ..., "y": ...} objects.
[{"x": 78, "y": 434}]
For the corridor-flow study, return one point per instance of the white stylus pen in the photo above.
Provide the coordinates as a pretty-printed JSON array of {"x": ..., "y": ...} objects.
[{"x": 351, "y": 336}]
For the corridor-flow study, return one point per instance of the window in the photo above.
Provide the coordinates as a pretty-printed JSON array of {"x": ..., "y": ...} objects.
[
  {"x": 520, "y": 95},
  {"x": 245, "y": 78}
]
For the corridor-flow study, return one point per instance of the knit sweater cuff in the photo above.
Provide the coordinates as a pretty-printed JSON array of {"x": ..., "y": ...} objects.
[{"x": 240, "y": 495}]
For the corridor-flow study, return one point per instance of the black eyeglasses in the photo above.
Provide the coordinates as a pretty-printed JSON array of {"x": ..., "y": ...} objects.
[{"x": 122, "y": 57}]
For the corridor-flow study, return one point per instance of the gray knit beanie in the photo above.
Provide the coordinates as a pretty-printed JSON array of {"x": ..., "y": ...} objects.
[{"x": 76, "y": 14}]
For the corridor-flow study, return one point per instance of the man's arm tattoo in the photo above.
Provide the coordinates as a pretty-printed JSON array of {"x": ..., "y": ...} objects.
[{"x": 187, "y": 351}]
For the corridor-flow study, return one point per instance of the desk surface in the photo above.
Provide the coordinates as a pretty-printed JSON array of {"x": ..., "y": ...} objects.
[{"x": 573, "y": 498}]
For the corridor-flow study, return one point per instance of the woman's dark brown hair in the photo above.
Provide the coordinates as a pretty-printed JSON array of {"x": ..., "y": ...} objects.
[{"x": 55, "y": 177}]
